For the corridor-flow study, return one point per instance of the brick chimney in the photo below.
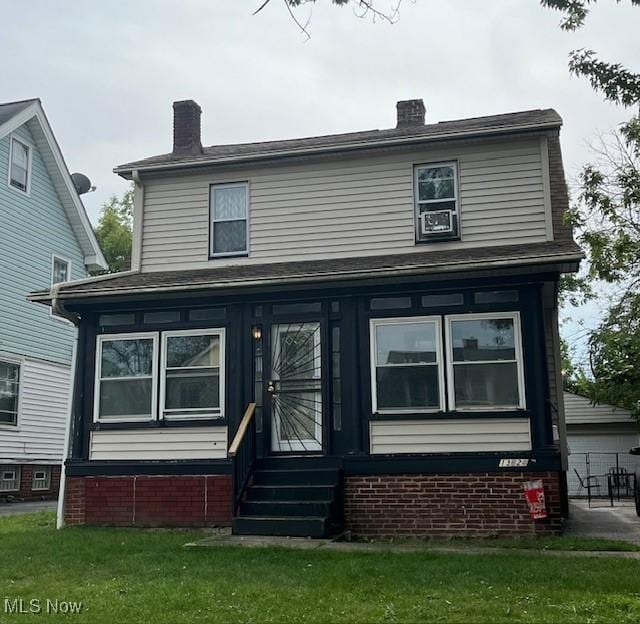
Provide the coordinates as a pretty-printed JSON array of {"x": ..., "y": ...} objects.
[
  {"x": 186, "y": 128},
  {"x": 410, "y": 113}
]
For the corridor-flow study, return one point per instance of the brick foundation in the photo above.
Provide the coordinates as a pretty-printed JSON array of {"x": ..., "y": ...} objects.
[
  {"x": 150, "y": 501},
  {"x": 448, "y": 505}
]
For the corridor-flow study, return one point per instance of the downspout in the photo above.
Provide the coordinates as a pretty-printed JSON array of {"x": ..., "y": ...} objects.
[
  {"x": 58, "y": 308},
  {"x": 138, "y": 205}
]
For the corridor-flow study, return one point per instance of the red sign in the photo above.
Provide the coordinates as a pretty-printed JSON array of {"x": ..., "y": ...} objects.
[{"x": 534, "y": 493}]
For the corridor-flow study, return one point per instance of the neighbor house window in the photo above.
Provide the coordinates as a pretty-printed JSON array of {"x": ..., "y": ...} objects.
[
  {"x": 9, "y": 393},
  {"x": 192, "y": 377},
  {"x": 20, "y": 165},
  {"x": 9, "y": 478},
  {"x": 59, "y": 270},
  {"x": 406, "y": 371},
  {"x": 126, "y": 373},
  {"x": 436, "y": 195},
  {"x": 41, "y": 478},
  {"x": 229, "y": 213},
  {"x": 485, "y": 361}
]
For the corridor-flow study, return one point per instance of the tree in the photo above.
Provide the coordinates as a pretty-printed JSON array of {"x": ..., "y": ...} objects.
[
  {"x": 607, "y": 217},
  {"x": 114, "y": 232}
]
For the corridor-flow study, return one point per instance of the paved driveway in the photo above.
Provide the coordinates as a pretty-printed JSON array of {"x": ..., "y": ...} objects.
[
  {"x": 619, "y": 522},
  {"x": 10, "y": 509}
]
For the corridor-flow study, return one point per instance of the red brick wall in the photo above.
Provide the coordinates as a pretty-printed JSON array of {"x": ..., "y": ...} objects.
[
  {"x": 26, "y": 491},
  {"x": 181, "y": 501},
  {"x": 447, "y": 505}
]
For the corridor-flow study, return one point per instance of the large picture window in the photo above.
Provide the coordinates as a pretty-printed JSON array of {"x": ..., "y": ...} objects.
[
  {"x": 9, "y": 393},
  {"x": 229, "y": 219},
  {"x": 126, "y": 374},
  {"x": 192, "y": 374},
  {"x": 406, "y": 367},
  {"x": 485, "y": 361}
]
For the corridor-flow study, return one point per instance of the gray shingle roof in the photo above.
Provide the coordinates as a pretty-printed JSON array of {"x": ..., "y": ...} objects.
[
  {"x": 493, "y": 124},
  {"x": 9, "y": 110},
  {"x": 285, "y": 273}
]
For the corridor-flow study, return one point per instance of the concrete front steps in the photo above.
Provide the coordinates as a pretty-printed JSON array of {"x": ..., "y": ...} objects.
[{"x": 292, "y": 496}]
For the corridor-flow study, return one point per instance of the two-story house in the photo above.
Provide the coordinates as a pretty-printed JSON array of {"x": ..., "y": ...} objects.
[
  {"x": 356, "y": 330},
  {"x": 45, "y": 238}
]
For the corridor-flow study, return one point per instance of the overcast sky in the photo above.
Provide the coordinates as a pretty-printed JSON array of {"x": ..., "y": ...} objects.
[{"x": 107, "y": 72}]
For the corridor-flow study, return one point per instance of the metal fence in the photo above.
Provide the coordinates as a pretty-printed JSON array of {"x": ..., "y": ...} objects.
[{"x": 603, "y": 472}]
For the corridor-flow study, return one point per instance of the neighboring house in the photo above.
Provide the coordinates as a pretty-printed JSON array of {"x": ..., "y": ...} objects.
[
  {"x": 45, "y": 238},
  {"x": 600, "y": 436},
  {"x": 357, "y": 330}
]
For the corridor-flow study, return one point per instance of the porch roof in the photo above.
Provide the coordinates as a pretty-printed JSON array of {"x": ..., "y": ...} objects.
[{"x": 563, "y": 255}]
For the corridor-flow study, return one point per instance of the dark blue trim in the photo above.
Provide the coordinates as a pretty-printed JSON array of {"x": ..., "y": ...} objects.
[{"x": 135, "y": 468}]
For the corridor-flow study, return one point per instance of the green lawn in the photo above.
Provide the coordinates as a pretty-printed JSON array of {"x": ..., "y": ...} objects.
[{"x": 132, "y": 576}]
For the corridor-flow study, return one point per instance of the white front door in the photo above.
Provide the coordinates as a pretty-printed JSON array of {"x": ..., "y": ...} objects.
[{"x": 296, "y": 387}]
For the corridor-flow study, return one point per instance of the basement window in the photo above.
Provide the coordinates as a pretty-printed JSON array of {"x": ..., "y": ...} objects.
[
  {"x": 9, "y": 478},
  {"x": 41, "y": 478},
  {"x": 436, "y": 197}
]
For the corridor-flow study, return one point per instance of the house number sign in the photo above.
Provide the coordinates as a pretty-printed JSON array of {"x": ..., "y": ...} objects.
[{"x": 513, "y": 463}]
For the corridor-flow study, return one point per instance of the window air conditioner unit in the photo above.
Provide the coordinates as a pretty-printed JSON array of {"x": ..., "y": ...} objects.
[{"x": 436, "y": 222}]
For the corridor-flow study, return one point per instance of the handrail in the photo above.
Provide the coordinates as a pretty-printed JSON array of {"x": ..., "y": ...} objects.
[{"x": 242, "y": 429}]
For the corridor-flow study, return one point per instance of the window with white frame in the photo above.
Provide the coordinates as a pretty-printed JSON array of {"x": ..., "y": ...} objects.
[
  {"x": 436, "y": 196},
  {"x": 229, "y": 219},
  {"x": 9, "y": 393},
  {"x": 406, "y": 366},
  {"x": 59, "y": 270},
  {"x": 126, "y": 377},
  {"x": 192, "y": 376},
  {"x": 20, "y": 165},
  {"x": 9, "y": 478},
  {"x": 41, "y": 478},
  {"x": 485, "y": 361}
]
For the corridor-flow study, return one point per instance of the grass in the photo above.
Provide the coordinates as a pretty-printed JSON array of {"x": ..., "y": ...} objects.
[{"x": 139, "y": 576}]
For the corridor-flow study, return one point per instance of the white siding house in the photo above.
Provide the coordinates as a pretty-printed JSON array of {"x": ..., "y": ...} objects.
[{"x": 45, "y": 238}]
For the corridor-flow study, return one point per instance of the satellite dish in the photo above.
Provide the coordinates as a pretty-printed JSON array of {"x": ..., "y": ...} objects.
[{"x": 82, "y": 183}]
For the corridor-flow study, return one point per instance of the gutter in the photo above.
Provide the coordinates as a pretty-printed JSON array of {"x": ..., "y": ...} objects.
[
  {"x": 398, "y": 271},
  {"x": 58, "y": 307},
  {"x": 395, "y": 141}
]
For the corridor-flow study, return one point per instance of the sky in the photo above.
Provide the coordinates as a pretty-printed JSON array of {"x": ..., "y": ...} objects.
[{"x": 108, "y": 72}]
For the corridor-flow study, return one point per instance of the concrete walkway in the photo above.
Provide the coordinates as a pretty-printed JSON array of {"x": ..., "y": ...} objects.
[
  {"x": 11, "y": 509},
  {"x": 223, "y": 538},
  {"x": 616, "y": 523}
]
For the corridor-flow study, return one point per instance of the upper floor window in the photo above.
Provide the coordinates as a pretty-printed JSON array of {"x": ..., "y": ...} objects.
[
  {"x": 59, "y": 270},
  {"x": 436, "y": 195},
  {"x": 9, "y": 393},
  {"x": 229, "y": 219},
  {"x": 20, "y": 165}
]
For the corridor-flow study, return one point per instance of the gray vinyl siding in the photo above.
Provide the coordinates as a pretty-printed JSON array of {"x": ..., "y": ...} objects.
[
  {"x": 42, "y": 411},
  {"x": 32, "y": 228},
  {"x": 579, "y": 410},
  {"x": 161, "y": 444},
  {"x": 356, "y": 206},
  {"x": 449, "y": 435}
]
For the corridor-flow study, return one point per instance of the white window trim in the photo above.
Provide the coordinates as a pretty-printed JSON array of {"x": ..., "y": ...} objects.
[
  {"x": 20, "y": 363},
  {"x": 197, "y": 413},
  {"x": 17, "y": 474},
  {"x": 416, "y": 200},
  {"x": 29, "y": 147},
  {"x": 517, "y": 333},
  {"x": 406, "y": 320},
  {"x": 213, "y": 220},
  {"x": 47, "y": 478},
  {"x": 154, "y": 377}
]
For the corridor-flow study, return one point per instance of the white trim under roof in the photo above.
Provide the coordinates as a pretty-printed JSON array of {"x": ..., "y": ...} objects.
[{"x": 74, "y": 208}]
